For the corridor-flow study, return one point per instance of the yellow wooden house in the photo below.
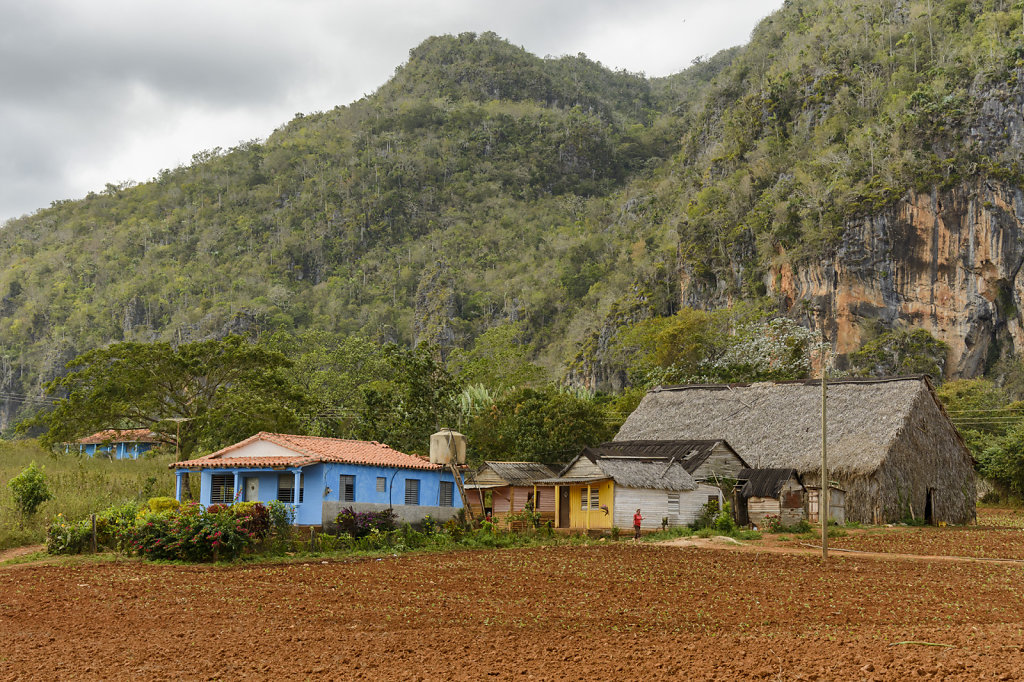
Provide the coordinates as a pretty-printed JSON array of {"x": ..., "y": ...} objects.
[{"x": 597, "y": 492}]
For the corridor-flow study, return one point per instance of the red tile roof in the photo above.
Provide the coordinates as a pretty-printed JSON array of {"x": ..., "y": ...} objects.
[
  {"x": 309, "y": 450},
  {"x": 121, "y": 436}
]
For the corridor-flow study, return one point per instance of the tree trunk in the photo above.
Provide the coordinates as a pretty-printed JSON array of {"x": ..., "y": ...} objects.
[{"x": 186, "y": 491}]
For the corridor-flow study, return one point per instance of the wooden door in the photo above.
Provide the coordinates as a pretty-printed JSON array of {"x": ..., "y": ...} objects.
[
  {"x": 563, "y": 506},
  {"x": 252, "y": 489}
]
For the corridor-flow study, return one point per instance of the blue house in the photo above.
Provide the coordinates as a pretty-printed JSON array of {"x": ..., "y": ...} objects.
[
  {"x": 320, "y": 476},
  {"x": 118, "y": 443}
]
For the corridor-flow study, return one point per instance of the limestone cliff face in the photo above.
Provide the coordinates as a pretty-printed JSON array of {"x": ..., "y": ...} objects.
[{"x": 948, "y": 262}]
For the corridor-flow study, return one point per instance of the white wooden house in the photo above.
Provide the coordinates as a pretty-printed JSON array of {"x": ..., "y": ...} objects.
[{"x": 597, "y": 491}]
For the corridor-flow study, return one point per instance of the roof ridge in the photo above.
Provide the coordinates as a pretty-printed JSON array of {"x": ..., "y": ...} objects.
[{"x": 794, "y": 382}]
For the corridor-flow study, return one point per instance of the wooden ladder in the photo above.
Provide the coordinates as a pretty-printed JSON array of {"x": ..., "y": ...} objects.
[{"x": 462, "y": 490}]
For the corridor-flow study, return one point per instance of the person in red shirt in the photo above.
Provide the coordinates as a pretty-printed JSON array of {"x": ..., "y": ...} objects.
[{"x": 637, "y": 519}]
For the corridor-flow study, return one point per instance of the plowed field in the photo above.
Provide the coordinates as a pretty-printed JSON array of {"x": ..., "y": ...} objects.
[
  {"x": 618, "y": 611},
  {"x": 999, "y": 534}
]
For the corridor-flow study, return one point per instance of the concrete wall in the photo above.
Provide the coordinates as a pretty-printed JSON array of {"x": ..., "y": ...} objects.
[{"x": 405, "y": 513}]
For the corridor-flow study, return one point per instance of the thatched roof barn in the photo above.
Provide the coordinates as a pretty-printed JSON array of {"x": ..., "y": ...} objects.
[{"x": 891, "y": 445}]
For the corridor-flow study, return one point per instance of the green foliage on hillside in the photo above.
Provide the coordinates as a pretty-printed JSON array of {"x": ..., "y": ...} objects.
[
  {"x": 901, "y": 352},
  {"x": 483, "y": 186},
  {"x": 546, "y": 425},
  {"x": 991, "y": 422}
]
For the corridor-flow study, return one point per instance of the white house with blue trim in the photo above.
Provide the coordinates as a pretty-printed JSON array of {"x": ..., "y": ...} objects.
[
  {"x": 117, "y": 443},
  {"x": 320, "y": 476}
]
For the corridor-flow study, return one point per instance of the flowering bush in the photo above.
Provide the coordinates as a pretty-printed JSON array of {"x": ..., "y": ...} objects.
[
  {"x": 361, "y": 524},
  {"x": 184, "y": 533},
  {"x": 68, "y": 537},
  {"x": 253, "y": 517},
  {"x": 191, "y": 534},
  {"x": 772, "y": 523}
]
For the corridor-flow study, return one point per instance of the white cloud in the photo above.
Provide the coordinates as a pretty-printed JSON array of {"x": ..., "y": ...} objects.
[{"x": 113, "y": 90}]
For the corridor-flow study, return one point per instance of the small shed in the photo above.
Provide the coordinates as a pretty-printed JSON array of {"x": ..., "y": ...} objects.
[
  {"x": 510, "y": 487},
  {"x": 836, "y": 504},
  {"x": 763, "y": 492}
]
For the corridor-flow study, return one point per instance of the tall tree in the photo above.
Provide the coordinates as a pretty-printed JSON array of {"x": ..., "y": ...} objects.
[
  {"x": 204, "y": 394},
  {"x": 413, "y": 397},
  {"x": 546, "y": 425}
]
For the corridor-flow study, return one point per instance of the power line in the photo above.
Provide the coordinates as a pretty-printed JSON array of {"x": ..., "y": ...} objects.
[{"x": 26, "y": 398}]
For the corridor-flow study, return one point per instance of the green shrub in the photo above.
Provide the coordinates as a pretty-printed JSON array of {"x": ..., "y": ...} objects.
[
  {"x": 455, "y": 530},
  {"x": 30, "y": 490},
  {"x": 800, "y": 527},
  {"x": 68, "y": 537},
  {"x": 325, "y": 542},
  {"x": 162, "y": 504},
  {"x": 724, "y": 522},
  {"x": 114, "y": 524},
  {"x": 708, "y": 514}
]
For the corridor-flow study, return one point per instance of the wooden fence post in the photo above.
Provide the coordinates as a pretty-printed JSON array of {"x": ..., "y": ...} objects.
[{"x": 93, "y": 533}]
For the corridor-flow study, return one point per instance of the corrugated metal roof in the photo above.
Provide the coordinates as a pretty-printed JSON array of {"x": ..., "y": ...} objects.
[
  {"x": 657, "y": 475},
  {"x": 519, "y": 473},
  {"x": 309, "y": 450},
  {"x": 692, "y": 453},
  {"x": 633, "y": 472},
  {"x": 764, "y": 482}
]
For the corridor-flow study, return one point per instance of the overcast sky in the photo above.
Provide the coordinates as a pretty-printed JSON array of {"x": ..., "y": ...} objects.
[{"x": 114, "y": 90}]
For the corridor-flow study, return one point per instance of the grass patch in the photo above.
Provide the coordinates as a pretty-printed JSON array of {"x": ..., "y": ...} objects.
[{"x": 81, "y": 485}]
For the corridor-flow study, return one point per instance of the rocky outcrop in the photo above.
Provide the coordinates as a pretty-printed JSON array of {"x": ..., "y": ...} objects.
[{"x": 948, "y": 262}]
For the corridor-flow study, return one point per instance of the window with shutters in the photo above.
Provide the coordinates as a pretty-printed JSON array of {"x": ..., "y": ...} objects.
[
  {"x": 347, "y": 489},
  {"x": 447, "y": 493},
  {"x": 595, "y": 498},
  {"x": 222, "y": 488},
  {"x": 673, "y": 503},
  {"x": 286, "y": 487},
  {"x": 382, "y": 484},
  {"x": 412, "y": 491}
]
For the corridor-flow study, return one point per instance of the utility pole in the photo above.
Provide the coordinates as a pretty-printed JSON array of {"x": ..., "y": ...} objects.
[
  {"x": 186, "y": 490},
  {"x": 823, "y": 501}
]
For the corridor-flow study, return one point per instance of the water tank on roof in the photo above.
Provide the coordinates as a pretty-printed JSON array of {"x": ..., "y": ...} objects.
[{"x": 447, "y": 447}]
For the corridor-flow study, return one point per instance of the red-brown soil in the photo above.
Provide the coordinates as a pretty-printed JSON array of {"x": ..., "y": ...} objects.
[
  {"x": 621, "y": 610},
  {"x": 998, "y": 534}
]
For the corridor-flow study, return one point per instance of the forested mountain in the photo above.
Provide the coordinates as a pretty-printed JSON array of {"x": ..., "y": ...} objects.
[{"x": 855, "y": 166}]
